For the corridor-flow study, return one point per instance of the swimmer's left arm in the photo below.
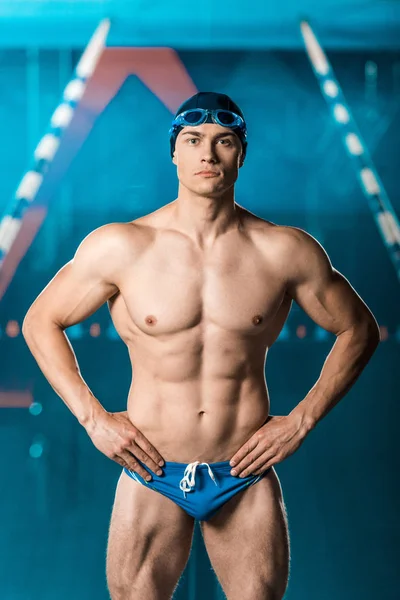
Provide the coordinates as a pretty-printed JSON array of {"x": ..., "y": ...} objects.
[{"x": 331, "y": 302}]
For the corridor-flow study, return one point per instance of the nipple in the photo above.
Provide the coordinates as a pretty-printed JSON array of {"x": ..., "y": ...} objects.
[
  {"x": 257, "y": 319},
  {"x": 150, "y": 320}
]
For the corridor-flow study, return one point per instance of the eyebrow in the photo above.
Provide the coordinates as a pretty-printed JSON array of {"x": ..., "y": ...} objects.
[{"x": 219, "y": 135}]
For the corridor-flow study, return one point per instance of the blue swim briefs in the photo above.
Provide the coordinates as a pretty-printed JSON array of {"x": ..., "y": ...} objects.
[{"x": 199, "y": 488}]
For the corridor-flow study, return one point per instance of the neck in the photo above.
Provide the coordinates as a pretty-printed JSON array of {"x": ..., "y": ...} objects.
[{"x": 204, "y": 218}]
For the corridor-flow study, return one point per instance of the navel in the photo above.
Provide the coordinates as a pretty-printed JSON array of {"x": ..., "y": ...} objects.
[
  {"x": 150, "y": 320},
  {"x": 257, "y": 319}
]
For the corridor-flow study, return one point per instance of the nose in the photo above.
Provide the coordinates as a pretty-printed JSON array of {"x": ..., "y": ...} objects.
[{"x": 209, "y": 154}]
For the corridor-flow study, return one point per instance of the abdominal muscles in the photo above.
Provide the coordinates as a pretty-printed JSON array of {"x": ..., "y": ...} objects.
[{"x": 197, "y": 396}]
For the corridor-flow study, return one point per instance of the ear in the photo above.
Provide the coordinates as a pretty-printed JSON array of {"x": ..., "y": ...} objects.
[
  {"x": 174, "y": 158},
  {"x": 241, "y": 159}
]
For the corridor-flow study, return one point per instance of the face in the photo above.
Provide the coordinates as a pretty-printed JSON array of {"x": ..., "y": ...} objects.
[{"x": 207, "y": 147}]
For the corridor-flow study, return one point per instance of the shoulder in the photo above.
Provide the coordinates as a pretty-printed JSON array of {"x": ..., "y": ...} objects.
[
  {"x": 304, "y": 259},
  {"x": 297, "y": 242},
  {"x": 288, "y": 238},
  {"x": 290, "y": 241},
  {"x": 285, "y": 235},
  {"x": 115, "y": 237},
  {"x": 110, "y": 249},
  {"x": 291, "y": 251}
]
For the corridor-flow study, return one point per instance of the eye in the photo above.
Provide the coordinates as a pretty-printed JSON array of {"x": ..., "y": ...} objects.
[
  {"x": 192, "y": 139},
  {"x": 227, "y": 142}
]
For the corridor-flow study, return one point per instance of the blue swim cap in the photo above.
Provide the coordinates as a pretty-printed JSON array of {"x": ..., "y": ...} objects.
[{"x": 212, "y": 101}]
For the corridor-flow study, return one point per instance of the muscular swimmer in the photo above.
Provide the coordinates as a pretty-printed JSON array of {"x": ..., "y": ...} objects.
[{"x": 199, "y": 290}]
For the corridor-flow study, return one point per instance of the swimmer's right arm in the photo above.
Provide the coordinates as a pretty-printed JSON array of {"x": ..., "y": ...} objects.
[{"x": 74, "y": 294}]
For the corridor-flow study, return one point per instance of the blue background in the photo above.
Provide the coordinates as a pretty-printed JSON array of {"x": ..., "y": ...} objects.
[{"x": 341, "y": 486}]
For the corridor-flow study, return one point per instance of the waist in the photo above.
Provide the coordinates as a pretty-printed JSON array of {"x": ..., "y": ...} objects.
[{"x": 185, "y": 427}]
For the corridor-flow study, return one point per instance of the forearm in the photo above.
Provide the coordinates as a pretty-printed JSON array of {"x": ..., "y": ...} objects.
[
  {"x": 348, "y": 357},
  {"x": 56, "y": 359}
]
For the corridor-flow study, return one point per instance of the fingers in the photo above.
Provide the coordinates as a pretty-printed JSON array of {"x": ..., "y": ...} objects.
[
  {"x": 133, "y": 465},
  {"x": 135, "y": 451},
  {"x": 259, "y": 466},
  {"x": 121, "y": 462},
  {"x": 133, "y": 447},
  {"x": 249, "y": 462},
  {"x": 244, "y": 451},
  {"x": 146, "y": 452}
]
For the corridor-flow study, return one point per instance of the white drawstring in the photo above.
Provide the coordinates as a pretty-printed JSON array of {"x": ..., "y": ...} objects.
[{"x": 188, "y": 481}]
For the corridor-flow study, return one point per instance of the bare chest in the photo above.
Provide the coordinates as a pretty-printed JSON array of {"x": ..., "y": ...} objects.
[{"x": 169, "y": 291}]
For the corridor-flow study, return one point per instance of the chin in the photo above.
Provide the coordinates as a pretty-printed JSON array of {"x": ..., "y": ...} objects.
[
  {"x": 211, "y": 193},
  {"x": 210, "y": 185}
]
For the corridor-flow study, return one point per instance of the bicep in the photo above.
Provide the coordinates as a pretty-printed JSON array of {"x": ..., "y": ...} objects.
[
  {"x": 324, "y": 293},
  {"x": 71, "y": 297},
  {"x": 80, "y": 288}
]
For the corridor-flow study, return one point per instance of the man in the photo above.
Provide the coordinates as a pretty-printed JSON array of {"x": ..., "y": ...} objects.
[{"x": 199, "y": 290}]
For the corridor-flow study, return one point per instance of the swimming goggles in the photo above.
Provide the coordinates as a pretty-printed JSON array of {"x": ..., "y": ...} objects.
[{"x": 197, "y": 116}]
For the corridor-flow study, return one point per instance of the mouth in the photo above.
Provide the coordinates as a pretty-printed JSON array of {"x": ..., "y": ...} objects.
[{"x": 208, "y": 173}]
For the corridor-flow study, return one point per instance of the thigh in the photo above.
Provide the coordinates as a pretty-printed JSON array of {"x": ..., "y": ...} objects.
[
  {"x": 148, "y": 544},
  {"x": 247, "y": 542}
]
